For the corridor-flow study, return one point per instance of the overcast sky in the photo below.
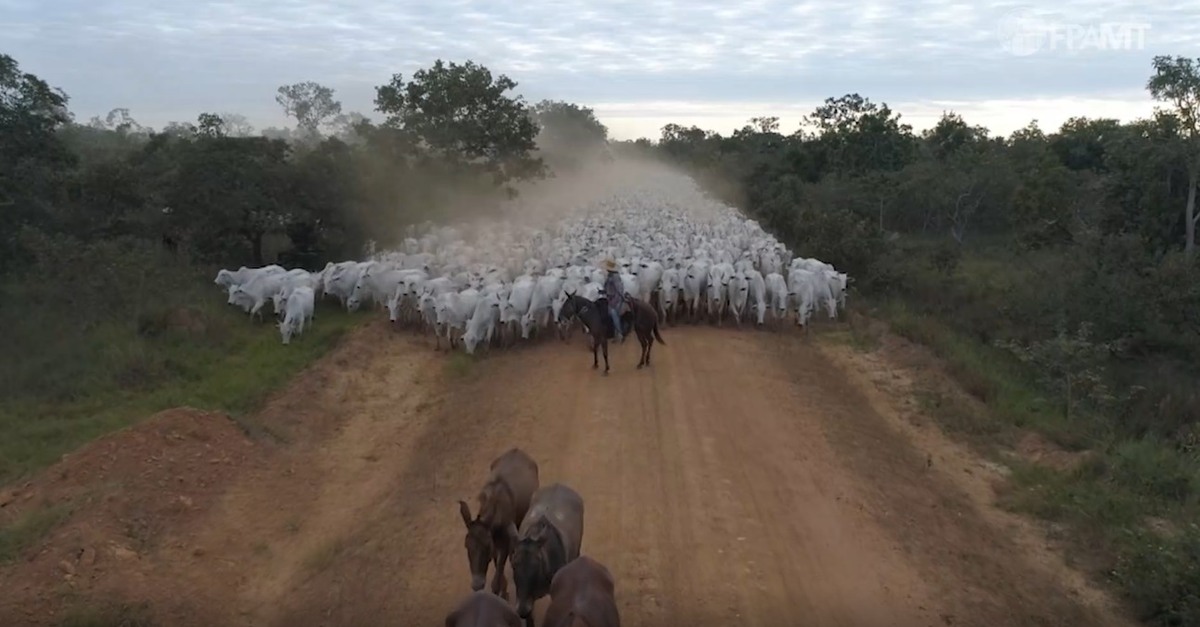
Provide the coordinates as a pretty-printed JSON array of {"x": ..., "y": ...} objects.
[{"x": 638, "y": 64}]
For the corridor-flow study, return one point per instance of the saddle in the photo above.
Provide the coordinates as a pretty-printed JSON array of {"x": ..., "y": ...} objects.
[{"x": 624, "y": 311}]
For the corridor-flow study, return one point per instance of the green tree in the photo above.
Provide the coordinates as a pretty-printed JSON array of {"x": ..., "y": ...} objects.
[
  {"x": 236, "y": 125},
  {"x": 228, "y": 191},
  {"x": 568, "y": 133},
  {"x": 210, "y": 125},
  {"x": 858, "y": 135},
  {"x": 568, "y": 124},
  {"x": 310, "y": 103},
  {"x": 466, "y": 118},
  {"x": 33, "y": 158},
  {"x": 1176, "y": 81}
]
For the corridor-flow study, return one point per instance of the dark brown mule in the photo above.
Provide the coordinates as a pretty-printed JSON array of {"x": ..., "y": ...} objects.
[
  {"x": 550, "y": 538},
  {"x": 582, "y": 593},
  {"x": 483, "y": 609},
  {"x": 645, "y": 324},
  {"x": 595, "y": 318},
  {"x": 503, "y": 502}
]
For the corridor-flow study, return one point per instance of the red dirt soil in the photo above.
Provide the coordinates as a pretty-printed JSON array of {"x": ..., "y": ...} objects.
[{"x": 745, "y": 478}]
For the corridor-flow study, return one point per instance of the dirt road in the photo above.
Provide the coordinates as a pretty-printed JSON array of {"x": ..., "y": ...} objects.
[{"x": 745, "y": 479}]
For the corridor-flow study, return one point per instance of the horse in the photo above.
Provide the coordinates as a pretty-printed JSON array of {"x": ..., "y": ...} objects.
[
  {"x": 595, "y": 317},
  {"x": 645, "y": 324},
  {"x": 503, "y": 502},
  {"x": 483, "y": 609},
  {"x": 582, "y": 593},
  {"x": 550, "y": 537}
]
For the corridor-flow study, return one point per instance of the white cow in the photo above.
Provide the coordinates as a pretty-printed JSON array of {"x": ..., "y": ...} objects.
[
  {"x": 802, "y": 287},
  {"x": 299, "y": 312},
  {"x": 453, "y": 310},
  {"x": 777, "y": 294},
  {"x": 669, "y": 289},
  {"x": 739, "y": 295},
  {"x": 515, "y": 310},
  {"x": 695, "y": 285},
  {"x": 256, "y": 292},
  {"x": 482, "y": 324},
  {"x": 758, "y": 295},
  {"x": 229, "y": 279},
  {"x": 541, "y": 307}
]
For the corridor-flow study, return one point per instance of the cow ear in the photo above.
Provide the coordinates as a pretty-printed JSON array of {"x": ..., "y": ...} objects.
[{"x": 465, "y": 511}]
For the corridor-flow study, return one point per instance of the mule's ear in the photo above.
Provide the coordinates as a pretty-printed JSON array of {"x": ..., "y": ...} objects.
[
  {"x": 538, "y": 533},
  {"x": 465, "y": 511}
]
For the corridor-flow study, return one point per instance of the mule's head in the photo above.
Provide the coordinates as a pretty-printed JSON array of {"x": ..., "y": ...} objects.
[
  {"x": 529, "y": 574},
  {"x": 479, "y": 544},
  {"x": 568, "y": 309}
]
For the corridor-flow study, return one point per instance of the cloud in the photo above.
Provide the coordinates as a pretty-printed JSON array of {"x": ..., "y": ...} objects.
[{"x": 169, "y": 61}]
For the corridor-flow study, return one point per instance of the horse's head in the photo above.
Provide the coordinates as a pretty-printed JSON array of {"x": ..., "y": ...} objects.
[
  {"x": 480, "y": 544},
  {"x": 570, "y": 307},
  {"x": 532, "y": 582}
]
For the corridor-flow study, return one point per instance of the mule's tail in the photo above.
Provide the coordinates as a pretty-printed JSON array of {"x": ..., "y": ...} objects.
[{"x": 656, "y": 335}]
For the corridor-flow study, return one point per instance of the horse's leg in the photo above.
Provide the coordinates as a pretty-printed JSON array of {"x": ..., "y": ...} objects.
[
  {"x": 595, "y": 358},
  {"x": 604, "y": 347},
  {"x": 499, "y": 583}
]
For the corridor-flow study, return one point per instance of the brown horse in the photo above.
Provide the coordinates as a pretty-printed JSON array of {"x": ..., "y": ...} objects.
[
  {"x": 645, "y": 324},
  {"x": 503, "y": 502},
  {"x": 582, "y": 593},
  {"x": 483, "y": 609}
]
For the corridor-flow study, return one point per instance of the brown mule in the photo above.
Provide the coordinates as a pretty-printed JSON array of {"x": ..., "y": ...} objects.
[
  {"x": 483, "y": 609},
  {"x": 645, "y": 324},
  {"x": 551, "y": 537},
  {"x": 582, "y": 593},
  {"x": 503, "y": 503}
]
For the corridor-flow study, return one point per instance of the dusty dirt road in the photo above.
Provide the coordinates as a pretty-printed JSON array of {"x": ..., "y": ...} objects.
[{"x": 747, "y": 478}]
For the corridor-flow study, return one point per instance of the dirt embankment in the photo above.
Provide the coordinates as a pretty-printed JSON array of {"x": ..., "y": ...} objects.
[{"x": 746, "y": 478}]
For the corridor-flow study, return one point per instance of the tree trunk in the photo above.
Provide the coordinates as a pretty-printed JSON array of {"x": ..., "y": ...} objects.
[
  {"x": 1068, "y": 398},
  {"x": 256, "y": 241},
  {"x": 1189, "y": 242}
]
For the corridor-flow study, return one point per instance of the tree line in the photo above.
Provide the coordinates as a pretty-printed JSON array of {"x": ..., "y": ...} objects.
[{"x": 449, "y": 136}]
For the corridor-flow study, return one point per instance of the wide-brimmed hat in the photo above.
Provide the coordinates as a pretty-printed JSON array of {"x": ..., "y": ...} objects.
[{"x": 609, "y": 265}]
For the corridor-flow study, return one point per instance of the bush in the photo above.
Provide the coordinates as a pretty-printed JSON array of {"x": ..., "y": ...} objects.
[{"x": 1161, "y": 576}]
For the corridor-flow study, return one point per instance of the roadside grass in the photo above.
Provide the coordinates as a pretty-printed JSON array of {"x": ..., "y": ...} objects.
[
  {"x": 1128, "y": 509},
  {"x": 209, "y": 356},
  {"x": 111, "y": 615},
  {"x": 322, "y": 557},
  {"x": 28, "y": 529},
  {"x": 460, "y": 365}
]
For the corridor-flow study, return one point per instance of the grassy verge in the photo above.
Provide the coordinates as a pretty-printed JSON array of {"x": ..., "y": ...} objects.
[
  {"x": 111, "y": 615},
  {"x": 28, "y": 529},
  {"x": 1128, "y": 506},
  {"x": 218, "y": 361}
]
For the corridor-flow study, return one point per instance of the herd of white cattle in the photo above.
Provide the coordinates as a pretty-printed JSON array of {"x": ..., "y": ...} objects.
[{"x": 691, "y": 257}]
